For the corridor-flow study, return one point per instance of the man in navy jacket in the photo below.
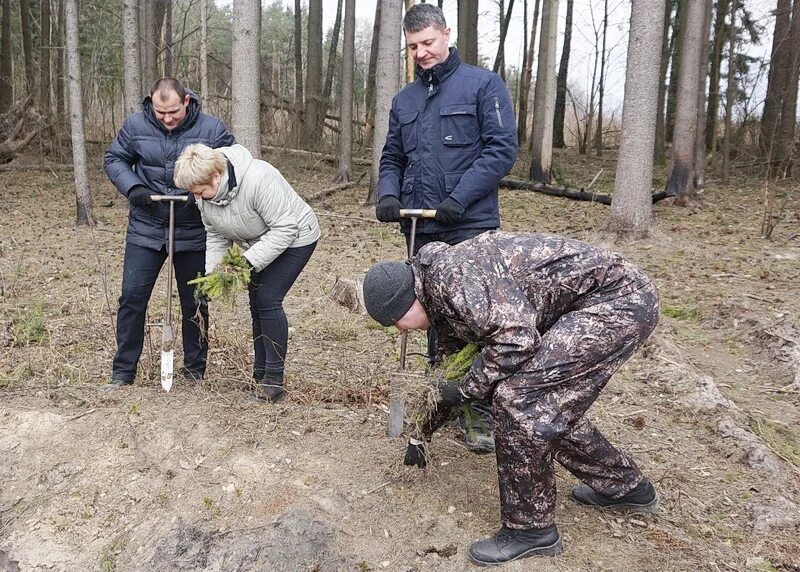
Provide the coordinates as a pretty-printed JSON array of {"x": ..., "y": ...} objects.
[
  {"x": 452, "y": 137},
  {"x": 140, "y": 163}
]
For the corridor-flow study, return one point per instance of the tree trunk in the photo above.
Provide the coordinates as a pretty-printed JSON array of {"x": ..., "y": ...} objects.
[
  {"x": 700, "y": 135},
  {"x": 299, "y": 98},
  {"x": 387, "y": 75},
  {"x": 409, "y": 57},
  {"x": 131, "y": 80},
  {"x": 659, "y": 156},
  {"x": 169, "y": 55},
  {"x": 312, "y": 118},
  {"x": 44, "y": 58},
  {"x": 678, "y": 26},
  {"x": 27, "y": 46},
  {"x": 561, "y": 82},
  {"x": 598, "y": 134},
  {"x": 542, "y": 136},
  {"x": 369, "y": 92},
  {"x": 712, "y": 109},
  {"x": 331, "y": 71},
  {"x": 467, "y": 42},
  {"x": 204, "y": 54},
  {"x": 345, "y": 171},
  {"x": 631, "y": 208},
  {"x": 246, "y": 74},
  {"x": 61, "y": 57},
  {"x": 83, "y": 195},
  {"x": 729, "y": 96},
  {"x": 148, "y": 39},
  {"x": 525, "y": 81},
  {"x": 776, "y": 83},
  {"x": 499, "y": 59},
  {"x": 786, "y": 128},
  {"x": 6, "y": 59},
  {"x": 681, "y": 166}
]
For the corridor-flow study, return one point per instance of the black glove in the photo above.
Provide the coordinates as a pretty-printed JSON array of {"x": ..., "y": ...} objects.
[
  {"x": 415, "y": 454},
  {"x": 388, "y": 209},
  {"x": 139, "y": 196},
  {"x": 449, "y": 211}
]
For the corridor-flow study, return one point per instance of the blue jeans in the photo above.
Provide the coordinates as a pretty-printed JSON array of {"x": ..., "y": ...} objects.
[
  {"x": 270, "y": 327},
  {"x": 140, "y": 272}
]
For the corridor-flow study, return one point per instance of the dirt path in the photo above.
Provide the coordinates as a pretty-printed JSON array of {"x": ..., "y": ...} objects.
[{"x": 203, "y": 479}]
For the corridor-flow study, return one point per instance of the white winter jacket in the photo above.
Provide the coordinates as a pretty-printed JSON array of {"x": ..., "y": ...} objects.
[{"x": 260, "y": 212}]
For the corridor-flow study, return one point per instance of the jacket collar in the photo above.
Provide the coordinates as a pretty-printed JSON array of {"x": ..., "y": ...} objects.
[
  {"x": 192, "y": 113},
  {"x": 439, "y": 72},
  {"x": 228, "y": 187}
]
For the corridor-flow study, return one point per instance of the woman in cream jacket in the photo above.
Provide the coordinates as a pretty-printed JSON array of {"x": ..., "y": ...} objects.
[{"x": 248, "y": 202}]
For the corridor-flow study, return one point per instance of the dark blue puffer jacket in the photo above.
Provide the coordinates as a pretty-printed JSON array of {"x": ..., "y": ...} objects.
[
  {"x": 452, "y": 132},
  {"x": 144, "y": 153}
]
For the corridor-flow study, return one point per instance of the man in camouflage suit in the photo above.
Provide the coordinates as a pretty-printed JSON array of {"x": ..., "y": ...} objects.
[{"x": 554, "y": 319}]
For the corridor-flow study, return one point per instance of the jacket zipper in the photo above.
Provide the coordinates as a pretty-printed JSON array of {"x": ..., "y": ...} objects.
[{"x": 497, "y": 110}]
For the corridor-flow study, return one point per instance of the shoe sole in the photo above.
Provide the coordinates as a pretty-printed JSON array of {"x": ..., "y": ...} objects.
[
  {"x": 553, "y": 550},
  {"x": 631, "y": 508}
]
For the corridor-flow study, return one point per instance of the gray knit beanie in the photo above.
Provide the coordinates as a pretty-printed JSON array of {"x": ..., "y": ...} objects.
[{"x": 389, "y": 291}]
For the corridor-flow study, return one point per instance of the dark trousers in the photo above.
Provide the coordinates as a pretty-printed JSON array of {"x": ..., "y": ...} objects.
[
  {"x": 270, "y": 327},
  {"x": 539, "y": 411},
  {"x": 140, "y": 272},
  {"x": 480, "y": 417}
]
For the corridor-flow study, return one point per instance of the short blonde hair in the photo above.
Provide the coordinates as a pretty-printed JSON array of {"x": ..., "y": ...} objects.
[{"x": 197, "y": 165}]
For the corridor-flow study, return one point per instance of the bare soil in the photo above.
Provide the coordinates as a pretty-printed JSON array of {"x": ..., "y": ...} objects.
[{"x": 201, "y": 478}]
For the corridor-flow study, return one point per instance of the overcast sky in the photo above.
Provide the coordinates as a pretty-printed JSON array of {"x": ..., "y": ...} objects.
[{"x": 587, "y": 17}]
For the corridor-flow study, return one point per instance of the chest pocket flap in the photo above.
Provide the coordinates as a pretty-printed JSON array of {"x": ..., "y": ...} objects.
[
  {"x": 408, "y": 130},
  {"x": 459, "y": 124}
]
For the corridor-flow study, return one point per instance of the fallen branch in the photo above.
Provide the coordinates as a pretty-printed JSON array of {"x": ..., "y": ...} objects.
[
  {"x": 317, "y": 155},
  {"x": 579, "y": 195},
  {"x": 340, "y": 187}
]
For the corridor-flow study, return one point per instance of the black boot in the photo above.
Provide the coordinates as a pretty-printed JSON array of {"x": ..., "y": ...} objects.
[
  {"x": 642, "y": 499},
  {"x": 510, "y": 544},
  {"x": 115, "y": 384},
  {"x": 270, "y": 388}
]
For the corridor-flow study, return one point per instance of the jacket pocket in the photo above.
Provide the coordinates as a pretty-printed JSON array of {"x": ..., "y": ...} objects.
[
  {"x": 459, "y": 124},
  {"x": 408, "y": 130}
]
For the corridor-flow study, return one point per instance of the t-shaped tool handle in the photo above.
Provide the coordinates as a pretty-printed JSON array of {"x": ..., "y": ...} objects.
[
  {"x": 417, "y": 213},
  {"x": 169, "y": 198}
]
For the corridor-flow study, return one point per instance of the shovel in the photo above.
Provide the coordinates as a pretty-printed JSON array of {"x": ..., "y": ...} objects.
[
  {"x": 397, "y": 396},
  {"x": 167, "y": 336}
]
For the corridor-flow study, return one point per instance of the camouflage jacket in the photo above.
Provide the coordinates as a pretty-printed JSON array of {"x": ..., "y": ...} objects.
[{"x": 502, "y": 291}]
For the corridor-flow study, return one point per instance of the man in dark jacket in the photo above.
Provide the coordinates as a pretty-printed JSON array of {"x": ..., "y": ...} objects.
[
  {"x": 452, "y": 137},
  {"x": 554, "y": 319},
  {"x": 140, "y": 163}
]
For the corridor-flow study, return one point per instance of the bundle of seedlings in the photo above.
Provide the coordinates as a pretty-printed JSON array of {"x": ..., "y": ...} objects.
[
  {"x": 227, "y": 280},
  {"x": 423, "y": 395}
]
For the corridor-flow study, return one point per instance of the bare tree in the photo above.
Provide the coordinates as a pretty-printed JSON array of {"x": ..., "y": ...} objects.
[
  {"x": 681, "y": 165},
  {"x": 678, "y": 25},
  {"x": 598, "y": 134},
  {"x": 204, "y": 53},
  {"x": 717, "y": 45},
  {"x": 299, "y": 99},
  {"x": 44, "y": 57},
  {"x": 246, "y": 74},
  {"x": 27, "y": 45},
  {"x": 131, "y": 80},
  {"x": 542, "y": 136},
  {"x": 525, "y": 80},
  {"x": 61, "y": 59},
  {"x": 6, "y": 60},
  {"x": 387, "y": 75},
  {"x": 632, "y": 205},
  {"x": 149, "y": 44},
  {"x": 169, "y": 55},
  {"x": 561, "y": 82},
  {"x": 499, "y": 59},
  {"x": 788, "y": 122},
  {"x": 83, "y": 195},
  {"x": 700, "y": 135},
  {"x": 659, "y": 155},
  {"x": 331, "y": 70},
  {"x": 345, "y": 171},
  {"x": 369, "y": 92},
  {"x": 409, "y": 57},
  {"x": 312, "y": 119},
  {"x": 467, "y": 42},
  {"x": 776, "y": 82},
  {"x": 726, "y": 149}
]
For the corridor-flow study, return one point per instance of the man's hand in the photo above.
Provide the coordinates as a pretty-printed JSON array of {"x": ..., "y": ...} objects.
[
  {"x": 388, "y": 209},
  {"x": 415, "y": 454},
  {"x": 449, "y": 211},
  {"x": 139, "y": 196}
]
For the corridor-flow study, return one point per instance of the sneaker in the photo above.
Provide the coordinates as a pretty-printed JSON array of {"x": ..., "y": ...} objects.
[
  {"x": 510, "y": 544},
  {"x": 643, "y": 499},
  {"x": 115, "y": 384}
]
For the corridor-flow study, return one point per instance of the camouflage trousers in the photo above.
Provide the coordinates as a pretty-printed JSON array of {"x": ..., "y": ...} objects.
[{"x": 539, "y": 410}]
